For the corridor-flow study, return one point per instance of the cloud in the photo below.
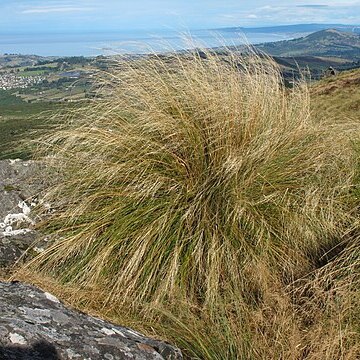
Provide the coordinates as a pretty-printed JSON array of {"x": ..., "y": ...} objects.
[
  {"x": 315, "y": 6},
  {"x": 55, "y": 9}
]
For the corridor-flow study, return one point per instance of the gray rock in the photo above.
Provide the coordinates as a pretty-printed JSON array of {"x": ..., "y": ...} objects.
[
  {"x": 13, "y": 247},
  {"x": 35, "y": 325},
  {"x": 22, "y": 177},
  {"x": 20, "y": 185}
]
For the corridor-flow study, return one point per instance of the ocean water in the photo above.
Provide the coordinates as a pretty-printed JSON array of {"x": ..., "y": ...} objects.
[{"x": 134, "y": 42}]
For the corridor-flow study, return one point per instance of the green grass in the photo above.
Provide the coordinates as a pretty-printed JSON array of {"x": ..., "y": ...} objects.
[
  {"x": 22, "y": 122},
  {"x": 203, "y": 203},
  {"x": 32, "y": 73}
]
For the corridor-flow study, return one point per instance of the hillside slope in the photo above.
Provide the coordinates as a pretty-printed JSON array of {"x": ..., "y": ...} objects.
[
  {"x": 337, "y": 98},
  {"x": 328, "y": 42}
]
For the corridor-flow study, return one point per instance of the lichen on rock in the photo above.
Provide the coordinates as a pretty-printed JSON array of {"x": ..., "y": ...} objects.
[
  {"x": 20, "y": 185},
  {"x": 35, "y": 325}
]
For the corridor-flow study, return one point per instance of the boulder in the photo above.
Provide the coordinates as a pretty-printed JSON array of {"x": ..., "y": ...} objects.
[{"x": 35, "y": 325}]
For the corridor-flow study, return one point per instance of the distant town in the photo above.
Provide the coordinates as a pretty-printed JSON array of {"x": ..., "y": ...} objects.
[
  {"x": 47, "y": 79},
  {"x": 11, "y": 81}
]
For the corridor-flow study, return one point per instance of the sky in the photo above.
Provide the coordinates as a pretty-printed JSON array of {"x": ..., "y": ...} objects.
[{"x": 56, "y": 16}]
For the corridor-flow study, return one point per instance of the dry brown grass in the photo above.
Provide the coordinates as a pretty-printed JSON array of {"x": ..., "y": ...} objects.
[
  {"x": 200, "y": 202},
  {"x": 336, "y": 100}
]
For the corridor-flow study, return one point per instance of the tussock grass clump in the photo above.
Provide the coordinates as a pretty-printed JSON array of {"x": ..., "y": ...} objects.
[{"x": 193, "y": 194}]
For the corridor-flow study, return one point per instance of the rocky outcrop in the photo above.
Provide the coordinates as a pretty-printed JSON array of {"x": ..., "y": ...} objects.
[
  {"x": 35, "y": 325},
  {"x": 20, "y": 184}
]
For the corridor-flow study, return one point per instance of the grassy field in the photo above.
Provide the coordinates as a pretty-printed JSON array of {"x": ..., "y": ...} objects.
[
  {"x": 21, "y": 122},
  {"x": 337, "y": 98},
  {"x": 32, "y": 73}
]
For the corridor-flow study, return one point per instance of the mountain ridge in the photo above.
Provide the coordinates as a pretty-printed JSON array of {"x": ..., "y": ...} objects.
[
  {"x": 328, "y": 42},
  {"x": 305, "y": 28}
]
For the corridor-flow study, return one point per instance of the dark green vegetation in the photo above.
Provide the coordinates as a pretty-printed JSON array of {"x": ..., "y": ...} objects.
[
  {"x": 20, "y": 122},
  {"x": 312, "y": 67}
]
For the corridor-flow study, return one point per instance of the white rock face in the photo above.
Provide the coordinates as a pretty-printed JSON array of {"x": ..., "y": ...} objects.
[
  {"x": 108, "y": 331},
  {"x": 17, "y": 339},
  {"x": 51, "y": 297},
  {"x": 17, "y": 219}
]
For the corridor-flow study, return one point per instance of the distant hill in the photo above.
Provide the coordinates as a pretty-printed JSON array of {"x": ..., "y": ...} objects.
[
  {"x": 328, "y": 43},
  {"x": 298, "y": 28},
  {"x": 13, "y": 60}
]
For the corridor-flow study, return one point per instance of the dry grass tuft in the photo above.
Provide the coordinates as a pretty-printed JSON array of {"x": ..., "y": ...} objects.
[{"x": 197, "y": 196}]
